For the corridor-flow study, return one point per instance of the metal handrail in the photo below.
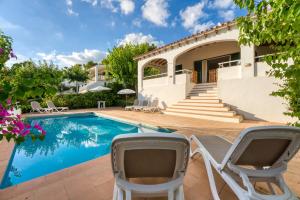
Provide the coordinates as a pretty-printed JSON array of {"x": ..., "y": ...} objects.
[
  {"x": 183, "y": 71},
  {"x": 155, "y": 76},
  {"x": 230, "y": 63},
  {"x": 259, "y": 58}
]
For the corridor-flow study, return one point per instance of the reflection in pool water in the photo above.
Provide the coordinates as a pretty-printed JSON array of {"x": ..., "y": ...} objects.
[{"x": 69, "y": 141}]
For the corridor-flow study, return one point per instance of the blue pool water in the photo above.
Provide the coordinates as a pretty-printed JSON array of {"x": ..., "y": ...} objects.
[{"x": 70, "y": 140}]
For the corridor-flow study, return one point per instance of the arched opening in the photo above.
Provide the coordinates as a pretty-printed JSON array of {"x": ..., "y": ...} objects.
[
  {"x": 155, "y": 68},
  {"x": 203, "y": 61}
]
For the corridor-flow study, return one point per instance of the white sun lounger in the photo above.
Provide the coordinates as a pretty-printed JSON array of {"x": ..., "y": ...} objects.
[
  {"x": 135, "y": 103},
  {"x": 259, "y": 154},
  {"x": 36, "y": 107},
  {"x": 51, "y": 105},
  {"x": 145, "y": 103},
  {"x": 153, "y": 107},
  {"x": 149, "y": 155}
]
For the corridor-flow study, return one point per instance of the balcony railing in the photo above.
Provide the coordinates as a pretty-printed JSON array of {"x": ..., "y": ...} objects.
[
  {"x": 183, "y": 71},
  {"x": 155, "y": 76},
  {"x": 230, "y": 63}
]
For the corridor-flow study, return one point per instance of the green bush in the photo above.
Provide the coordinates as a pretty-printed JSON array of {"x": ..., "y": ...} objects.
[{"x": 86, "y": 100}]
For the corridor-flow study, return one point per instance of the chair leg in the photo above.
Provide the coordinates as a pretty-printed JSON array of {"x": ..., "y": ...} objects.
[
  {"x": 115, "y": 195},
  {"x": 211, "y": 179},
  {"x": 128, "y": 194},
  {"x": 171, "y": 195},
  {"x": 180, "y": 193}
]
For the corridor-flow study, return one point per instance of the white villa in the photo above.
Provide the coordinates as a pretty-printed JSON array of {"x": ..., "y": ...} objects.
[
  {"x": 97, "y": 77},
  {"x": 210, "y": 76}
]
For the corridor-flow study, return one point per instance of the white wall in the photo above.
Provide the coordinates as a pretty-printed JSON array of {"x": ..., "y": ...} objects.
[
  {"x": 227, "y": 73},
  {"x": 251, "y": 98},
  {"x": 167, "y": 94}
]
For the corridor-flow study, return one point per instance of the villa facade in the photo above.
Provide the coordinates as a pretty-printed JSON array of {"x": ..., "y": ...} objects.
[{"x": 210, "y": 76}]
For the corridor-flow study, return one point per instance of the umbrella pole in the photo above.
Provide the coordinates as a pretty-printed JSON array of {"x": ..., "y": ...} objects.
[{"x": 125, "y": 100}]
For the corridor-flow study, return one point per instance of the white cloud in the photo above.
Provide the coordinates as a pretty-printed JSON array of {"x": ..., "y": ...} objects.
[
  {"x": 137, "y": 22},
  {"x": 109, "y": 5},
  {"x": 191, "y": 16},
  {"x": 20, "y": 58},
  {"x": 73, "y": 58},
  {"x": 70, "y": 10},
  {"x": 221, "y": 4},
  {"x": 59, "y": 35},
  {"x": 139, "y": 38},
  {"x": 227, "y": 15},
  {"x": 92, "y": 2},
  {"x": 202, "y": 27},
  {"x": 127, "y": 6},
  {"x": 7, "y": 25},
  {"x": 156, "y": 11}
]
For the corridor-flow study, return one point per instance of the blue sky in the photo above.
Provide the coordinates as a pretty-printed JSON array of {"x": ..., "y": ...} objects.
[{"x": 75, "y": 31}]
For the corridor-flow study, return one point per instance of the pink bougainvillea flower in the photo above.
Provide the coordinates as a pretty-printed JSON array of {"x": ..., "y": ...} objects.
[
  {"x": 1, "y": 51},
  {"x": 8, "y": 101},
  {"x": 37, "y": 126}
]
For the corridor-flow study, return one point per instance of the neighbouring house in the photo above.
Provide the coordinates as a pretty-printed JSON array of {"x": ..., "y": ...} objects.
[
  {"x": 210, "y": 76},
  {"x": 97, "y": 77}
]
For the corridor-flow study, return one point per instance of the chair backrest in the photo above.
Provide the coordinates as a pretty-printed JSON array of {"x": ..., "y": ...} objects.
[
  {"x": 264, "y": 146},
  {"x": 145, "y": 102},
  {"x": 35, "y": 105},
  {"x": 154, "y": 103},
  {"x": 153, "y": 155},
  {"x": 136, "y": 102},
  {"x": 50, "y": 104}
]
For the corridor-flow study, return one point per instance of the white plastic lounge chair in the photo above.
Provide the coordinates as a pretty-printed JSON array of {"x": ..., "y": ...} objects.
[
  {"x": 145, "y": 103},
  {"x": 135, "y": 103},
  {"x": 153, "y": 107},
  {"x": 149, "y": 155},
  {"x": 36, "y": 107},
  {"x": 259, "y": 154},
  {"x": 54, "y": 108}
]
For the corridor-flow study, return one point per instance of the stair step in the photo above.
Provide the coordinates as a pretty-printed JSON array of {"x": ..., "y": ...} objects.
[
  {"x": 203, "y": 112},
  {"x": 204, "y": 97},
  {"x": 204, "y": 89},
  {"x": 206, "y": 84},
  {"x": 234, "y": 119},
  {"x": 190, "y": 107},
  {"x": 216, "y": 105},
  {"x": 207, "y": 95},
  {"x": 201, "y": 100}
]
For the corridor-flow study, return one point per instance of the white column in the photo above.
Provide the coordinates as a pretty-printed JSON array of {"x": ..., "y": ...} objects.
[
  {"x": 96, "y": 73},
  {"x": 171, "y": 72},
  {"x": 247, "y": 61},
  {"x": 140, "y": 76}
]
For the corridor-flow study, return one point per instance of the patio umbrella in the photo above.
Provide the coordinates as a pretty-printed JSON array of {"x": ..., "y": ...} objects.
[
  {"x": 99, "y": 88},
  {"x": 126, "y": 92}
]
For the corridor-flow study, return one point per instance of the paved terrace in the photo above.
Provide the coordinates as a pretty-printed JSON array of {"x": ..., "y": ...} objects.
[{"x": 93, "y": 180}]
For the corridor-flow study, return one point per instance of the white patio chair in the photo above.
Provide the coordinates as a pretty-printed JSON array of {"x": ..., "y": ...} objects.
[
  {"x": 153, "y": 107},
  {"x": 145, "y": 103},
  {"x": 51, "y": 105},
  {"x": 138, "y": 157},
  {"x": 259, "y": 154},
  {"x": 135, "y": 103},
  {"x": 36, "y": 107}
]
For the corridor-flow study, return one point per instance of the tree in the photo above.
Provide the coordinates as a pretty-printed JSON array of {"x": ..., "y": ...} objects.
[
  {"x": 76, "y": 74},
  {"x": 277, "y": 24},
  {"x": 29, "y": 80},
  {"x": 5, "y": 49},
  {"x": 121, "y": 66},
  {"x": 89, "y": 64}
]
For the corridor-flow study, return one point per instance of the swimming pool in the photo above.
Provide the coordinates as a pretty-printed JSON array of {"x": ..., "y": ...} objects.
[{"x": 70, "y": 140}]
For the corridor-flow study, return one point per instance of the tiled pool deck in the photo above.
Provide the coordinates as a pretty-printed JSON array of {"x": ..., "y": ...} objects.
[{"x": 93, "y": 180}]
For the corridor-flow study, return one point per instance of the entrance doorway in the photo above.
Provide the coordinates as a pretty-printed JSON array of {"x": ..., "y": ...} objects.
[
  {"x": 197, "y": 77},
  {"x": 213, "y": 65}
]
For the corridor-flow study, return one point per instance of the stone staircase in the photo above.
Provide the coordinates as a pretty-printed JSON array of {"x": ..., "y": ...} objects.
[{"x": 203, "y": 103}]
